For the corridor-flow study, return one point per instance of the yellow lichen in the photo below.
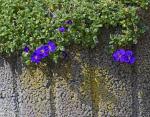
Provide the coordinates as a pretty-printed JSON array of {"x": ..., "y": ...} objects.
[
  {"x": 96, "y": 80},
  {"x": 34, "y": 79}
]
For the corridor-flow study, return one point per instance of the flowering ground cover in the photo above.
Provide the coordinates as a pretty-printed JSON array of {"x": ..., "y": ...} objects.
[{"x": 41, "y": 29}]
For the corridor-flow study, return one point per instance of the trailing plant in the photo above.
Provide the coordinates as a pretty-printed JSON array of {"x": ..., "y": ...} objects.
[{"x": 27, "y": 25}]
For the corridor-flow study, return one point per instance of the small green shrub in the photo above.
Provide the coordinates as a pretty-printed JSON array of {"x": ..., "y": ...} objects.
[{"x": 35, "y": 22}]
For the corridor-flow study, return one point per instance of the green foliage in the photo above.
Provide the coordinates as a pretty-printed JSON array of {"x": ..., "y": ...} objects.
[
  {"x": 22, "y": 22},
  {"x": 29, "y": 22}
]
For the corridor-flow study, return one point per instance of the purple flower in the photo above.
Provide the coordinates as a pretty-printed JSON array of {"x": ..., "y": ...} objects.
[
  {"x": 51, "y": 46},
  {"x": 62, "y": 29},
  {"x": 129, "y": 58},
  {"x": 68, "y": 22},
  {"x": 42, "y": 51},
  {"x": 129, "y": 53},
  {"x": 118, "y": 55},
  {"x": 35, "y": 58},
  {"x": 26, "y": 49},
  {"x": 132, "y": 60},
  {"x": 124, "y": 56}
]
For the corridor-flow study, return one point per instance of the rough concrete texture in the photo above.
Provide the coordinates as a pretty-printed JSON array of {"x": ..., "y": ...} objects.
[
  {"x": 143, "y": 71},
  {"x": 8, "y": 97},
  {"x": 87, "y": 84},
  {"x": 34, "y": 98},
  {"x": 143, "y": 77}
]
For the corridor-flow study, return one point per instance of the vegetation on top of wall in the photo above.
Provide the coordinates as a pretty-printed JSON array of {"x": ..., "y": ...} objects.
[{"x": 43, "y": 28}]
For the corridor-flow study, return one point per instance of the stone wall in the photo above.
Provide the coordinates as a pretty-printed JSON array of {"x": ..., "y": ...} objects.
[{"x": 87, "y": 84}]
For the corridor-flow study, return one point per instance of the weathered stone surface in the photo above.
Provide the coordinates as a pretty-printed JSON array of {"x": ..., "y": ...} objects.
[
  {"x": 143, "y": 71},
  {"x": 34, "y": 97},
  {"x": 143, "y": 75},
  {"x": 73, "y": 91},
  {"x": 8, "y": 100},
  {"x": 90, "y": 84},
  {"x": 114, "y": 85}
]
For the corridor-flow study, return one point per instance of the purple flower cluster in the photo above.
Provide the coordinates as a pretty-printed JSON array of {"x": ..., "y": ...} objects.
[
  {"x": 124, "y": 56},
  {"x": 63, "y": 28},
  {"x": 68, "y": 22},
  {"x": 26, "y": 49},
  {"x": 43, "y": 51}
]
